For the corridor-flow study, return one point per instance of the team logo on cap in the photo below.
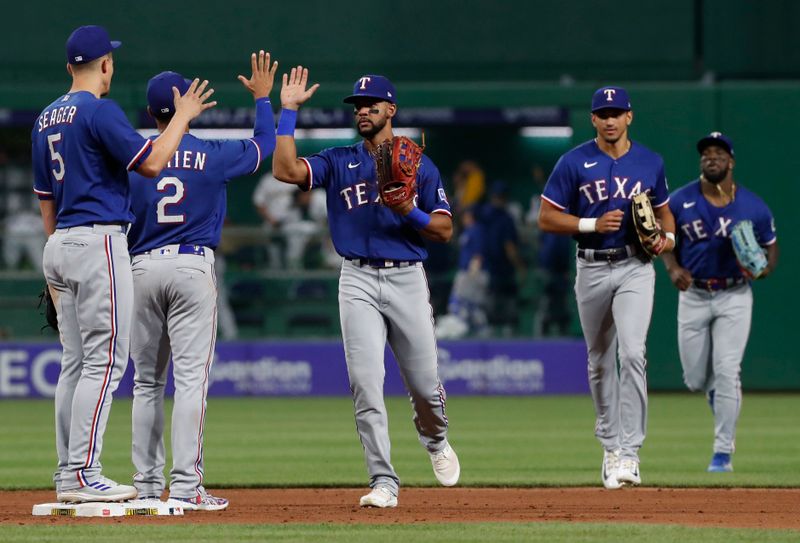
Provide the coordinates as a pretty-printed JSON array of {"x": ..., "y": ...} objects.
[
  {"x": 716, "y": 134},
  {"x": 610, "y": 94},
  {"x": 364, "y": 81}
]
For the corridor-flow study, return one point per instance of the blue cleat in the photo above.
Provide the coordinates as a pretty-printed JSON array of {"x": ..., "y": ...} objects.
[{"x": 720, "y": 463}]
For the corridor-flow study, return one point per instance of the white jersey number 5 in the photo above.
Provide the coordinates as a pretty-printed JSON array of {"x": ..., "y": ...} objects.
[
  {"x": 161, "y": 209},
  {"x": 55, "y": 156}
]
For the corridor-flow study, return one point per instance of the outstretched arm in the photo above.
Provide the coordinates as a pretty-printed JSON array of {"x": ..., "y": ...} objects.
[
  {"x": 286, "y": 166},
  {"x": 260, "y": 85},
  {"x": 187, "y": 107}
]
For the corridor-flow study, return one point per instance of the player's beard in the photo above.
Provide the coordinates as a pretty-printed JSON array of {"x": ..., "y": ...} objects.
[
  {"x": 716, "y": 177},
  {"x": 374, "y": 128}
]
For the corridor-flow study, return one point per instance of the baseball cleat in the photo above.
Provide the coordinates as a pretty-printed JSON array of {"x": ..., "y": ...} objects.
[
  {"x": 720, "y": 463},
  {"x": 628, "y": 472},
  {"x": 203, "y": 501},
  {"x": 101, "y": 490},
  {"x": 380, "y": 496},
  {"x": 609, "y": 470},
  {"x": 446, "y": 466}
]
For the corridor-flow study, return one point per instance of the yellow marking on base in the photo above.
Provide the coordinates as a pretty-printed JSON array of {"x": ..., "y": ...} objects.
[{"x": 143, "y": 511}]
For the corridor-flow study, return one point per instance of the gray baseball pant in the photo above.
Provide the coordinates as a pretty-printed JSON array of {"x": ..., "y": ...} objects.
[
  {"x": 615, "y": 303},
  {"x": 713, "y": 328},
  {"x": 174, "y": 314},
  {"x": 394, "y": 304},
  {"x": 89, "y": 269}
]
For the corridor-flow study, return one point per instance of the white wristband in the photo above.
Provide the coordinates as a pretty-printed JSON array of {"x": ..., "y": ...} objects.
[
  {"x": 587, "y": 226},
  {"x": 670, "y": 236}
]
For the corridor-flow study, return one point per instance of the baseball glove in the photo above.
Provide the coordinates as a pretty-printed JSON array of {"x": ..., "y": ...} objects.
[
  {"x": 50, "y": 314},
  {"x": 651, "y": 236},
  {"x": 749, "y": 253},
  {"x": 396, "y": 163}
]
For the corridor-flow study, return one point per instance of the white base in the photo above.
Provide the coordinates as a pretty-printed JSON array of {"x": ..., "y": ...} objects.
[{"x": 138, "y": 508}]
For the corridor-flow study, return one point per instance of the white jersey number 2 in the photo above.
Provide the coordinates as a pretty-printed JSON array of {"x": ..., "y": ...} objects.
[{"x": 161, "y": 208}]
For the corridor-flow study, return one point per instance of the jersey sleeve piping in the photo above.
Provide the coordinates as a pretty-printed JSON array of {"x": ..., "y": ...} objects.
[
  {"x": 559, "y": 206},
  {"x": 770, "y": 242},
  {"x": 309, "y": 176},
  {"x": 662, "y": 204},
  {"x": 258, "y": 157},
  {"x": 443, "y": 212},
  {"x": 138, "y": 156},
  {"x": 44, "y": 195}
]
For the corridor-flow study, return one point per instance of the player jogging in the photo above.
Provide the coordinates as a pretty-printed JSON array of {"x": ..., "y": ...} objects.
[
  {"x": 172, "y": 241},
  {"x": 589, "y": 196},
  {"x": 715, "y": 302},
  {"x": 82, "y": 148},
  {"x": 383, "y": 293}
]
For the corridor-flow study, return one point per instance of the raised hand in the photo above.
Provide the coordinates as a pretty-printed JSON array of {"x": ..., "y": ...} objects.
[
  {"x": 194, "y": 102},
  {"x": 293, "y": 91},
  {"x": 263, "y": 78}
]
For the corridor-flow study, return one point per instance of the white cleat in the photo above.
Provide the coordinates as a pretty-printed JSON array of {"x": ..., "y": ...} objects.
[
  {"x": 609, "y": 470},
  {"x": 628, "y": 472},
  {"x": 203, "y": 501},
  {"x": 101, "y": 490},
  {"x": 446, "y": 466},
  {"x": 380, "y": 496}
]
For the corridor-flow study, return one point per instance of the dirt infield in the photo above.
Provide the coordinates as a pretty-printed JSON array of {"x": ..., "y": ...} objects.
[{"x": 742, "y": 508}]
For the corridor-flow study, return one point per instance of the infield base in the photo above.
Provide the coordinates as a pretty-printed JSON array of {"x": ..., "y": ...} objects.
[{"x": 136, "y": 508}]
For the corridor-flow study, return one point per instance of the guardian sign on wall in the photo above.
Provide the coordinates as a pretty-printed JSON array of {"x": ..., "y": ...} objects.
[{"x": 30, "y": 370}]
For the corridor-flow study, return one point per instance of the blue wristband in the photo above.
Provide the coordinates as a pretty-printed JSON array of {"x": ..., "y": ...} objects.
[
  {"x": 286, "y": 122},
  {"x": 418, "y": 218}
]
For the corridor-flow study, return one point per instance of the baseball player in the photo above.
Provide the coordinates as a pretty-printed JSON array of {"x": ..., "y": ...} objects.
[
  {"x": 383, "y": 293},
  {"x": 82, "y": 149},
  {"x": 588, "y": 195},
  {"x": 716, "y": 302},
  {"x": 172, "y": 242}
]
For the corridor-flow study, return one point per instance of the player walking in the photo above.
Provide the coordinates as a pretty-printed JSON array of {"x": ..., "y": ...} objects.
[
  {"x": 588, "y": 195},
  {"x": 715, "y": 303},
  {"x": 82, "y": 148},
  {"x": 383, "y": 293},
  {"x": 177, "y": 227}
]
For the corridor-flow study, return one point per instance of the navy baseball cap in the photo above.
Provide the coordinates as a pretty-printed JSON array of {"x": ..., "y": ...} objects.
[
  {"x": 372, "y": 86},
  {"x": 159, "y": 92},
  {"x": 87, "y": 43},
  {"x": 611, "y": 98},
  {"x": 715, "y": 138}
]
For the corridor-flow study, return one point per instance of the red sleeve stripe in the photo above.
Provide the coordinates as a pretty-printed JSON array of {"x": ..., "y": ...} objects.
[
  {"x": 258, "y": 159},
  {"x": 443, "y": 212},
  {"x": 559, "y": 206},
  {"x": 138, "y": 155},
  {"x": 662, "y": 204},
  {"x": 310, "y": 175}
]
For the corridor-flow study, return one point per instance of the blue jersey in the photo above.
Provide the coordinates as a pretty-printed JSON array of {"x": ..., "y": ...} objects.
[
  {"x": 587, "y": 182},
  {"x": 187, "y": 202},
  {"x": 82, "y": 149},
  {"x": 704, "y": 246},
  {"x": 361, "y": 227}
]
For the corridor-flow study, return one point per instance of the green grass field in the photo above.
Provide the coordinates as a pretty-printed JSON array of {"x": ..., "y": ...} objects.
[{"x": 545, "y": 441}]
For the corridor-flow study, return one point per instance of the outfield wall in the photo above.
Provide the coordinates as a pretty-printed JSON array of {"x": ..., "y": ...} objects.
[{"x": 317, "y": 368}]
